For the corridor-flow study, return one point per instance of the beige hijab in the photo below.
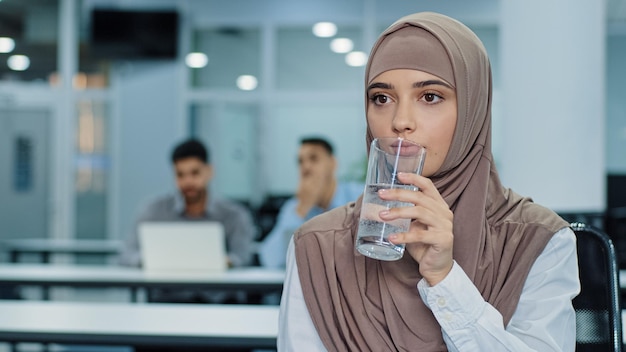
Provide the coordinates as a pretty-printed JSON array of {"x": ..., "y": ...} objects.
[{"x": 361, "y": 304}]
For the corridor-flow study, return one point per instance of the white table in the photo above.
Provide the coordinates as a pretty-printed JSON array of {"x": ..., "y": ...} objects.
[
  {"x": 45, "y": 247},
  {"x": 251, "y": 279},
  {"x": 182, "y": 325}
]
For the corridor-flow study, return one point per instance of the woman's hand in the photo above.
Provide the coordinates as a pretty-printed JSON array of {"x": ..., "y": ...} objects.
[{"x": 429, "y": 239}]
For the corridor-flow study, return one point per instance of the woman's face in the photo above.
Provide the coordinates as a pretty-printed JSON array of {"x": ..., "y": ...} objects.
[{"x": 417, "y": 106}]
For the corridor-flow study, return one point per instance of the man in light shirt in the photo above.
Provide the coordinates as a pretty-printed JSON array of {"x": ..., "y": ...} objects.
[{"x": 318, "y": 191}]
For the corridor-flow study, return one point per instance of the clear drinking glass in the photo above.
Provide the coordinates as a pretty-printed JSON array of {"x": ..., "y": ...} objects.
[{"x": 387, "y": 157}]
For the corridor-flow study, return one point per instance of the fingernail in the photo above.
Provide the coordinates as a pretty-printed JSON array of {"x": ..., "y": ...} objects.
[
  {"x": 384, "y": 213},
  {"x": 382, "y": 191},
  {"x": 393, "y": 237}
]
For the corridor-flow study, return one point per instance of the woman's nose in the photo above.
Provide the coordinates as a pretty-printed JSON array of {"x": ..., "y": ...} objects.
[{"x": 404, "y": 120}]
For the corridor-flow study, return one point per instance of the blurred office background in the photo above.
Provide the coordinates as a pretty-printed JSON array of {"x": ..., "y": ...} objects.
[{"x": 92, "y": 104}]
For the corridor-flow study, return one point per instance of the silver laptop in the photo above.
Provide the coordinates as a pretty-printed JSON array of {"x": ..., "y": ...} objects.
[{"x": 182, "y": 247}]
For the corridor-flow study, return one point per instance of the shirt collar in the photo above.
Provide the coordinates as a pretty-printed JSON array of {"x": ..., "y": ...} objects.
[{"x": 179, "y": 204}]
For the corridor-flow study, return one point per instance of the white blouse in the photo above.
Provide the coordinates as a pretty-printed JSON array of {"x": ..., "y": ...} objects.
[{"x": 543, "y": 321}]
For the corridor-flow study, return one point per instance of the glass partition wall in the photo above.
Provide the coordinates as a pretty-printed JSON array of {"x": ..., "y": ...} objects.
[
  {"x": 54, "y": 104},
  {"x": 258, "y": 90},
  {"x": 29, "y": 42},
  {"x": 92, "y": 164}
]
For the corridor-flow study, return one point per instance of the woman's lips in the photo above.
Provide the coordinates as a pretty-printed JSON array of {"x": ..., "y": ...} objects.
[{"x": 404, "y": 147}]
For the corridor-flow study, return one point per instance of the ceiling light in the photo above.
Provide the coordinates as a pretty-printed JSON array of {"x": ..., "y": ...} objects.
[
  {"x": 18, "y": 62},
  {"x": 6, "y": 44},
  {"x": 247, "y": 82},
  {"x": 324, "y": 29},
  {"x": 341, "y": 45},
  {"x": 196, "y": 60},
  {"x": 356, "y": 58}
]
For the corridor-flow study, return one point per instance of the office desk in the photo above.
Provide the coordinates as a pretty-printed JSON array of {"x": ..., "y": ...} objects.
[
  {"x": 45, "y": 247},
  {"x": 182, "y": 325},
  {"x": 253, "y": 279}
]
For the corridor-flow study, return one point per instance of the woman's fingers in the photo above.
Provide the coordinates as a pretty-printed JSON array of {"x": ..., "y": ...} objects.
[
  {"x": 425, "y": 184},
  {"x": 413, "y": 197},
  {"x": 430, "y": 237},
  {"x": 426, "y": 190},
  {"x": 435, "y": 240},
  {"x": 424, "y": 209},
  {"x": 420, "y": 214}
]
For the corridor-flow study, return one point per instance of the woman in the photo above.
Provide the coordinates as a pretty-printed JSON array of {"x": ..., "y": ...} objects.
[{"x": 484, "y": 269}]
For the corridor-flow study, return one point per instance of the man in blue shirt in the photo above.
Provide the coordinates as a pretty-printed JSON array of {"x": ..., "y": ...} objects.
[{"x": 318, "y": 191}]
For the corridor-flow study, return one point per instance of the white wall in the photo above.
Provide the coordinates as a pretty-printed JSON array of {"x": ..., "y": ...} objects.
[
  {"x": 146, "y": 102},
  {"x": 553, "y": 84}
]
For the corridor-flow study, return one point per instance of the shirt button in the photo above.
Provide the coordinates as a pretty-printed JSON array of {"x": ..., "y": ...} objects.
[
  {"x": 441, "y": 302},
  {"x": 447, "y": 316}
]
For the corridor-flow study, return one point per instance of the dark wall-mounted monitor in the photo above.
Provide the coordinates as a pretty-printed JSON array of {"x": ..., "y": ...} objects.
[{"x": 133, "y": 35}]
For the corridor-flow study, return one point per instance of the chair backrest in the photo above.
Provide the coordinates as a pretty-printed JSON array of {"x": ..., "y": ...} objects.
[
  {"x": 267, "y": 213},
  {"x": 598, "y": 312},
  {"x": 615, "y": 227}
]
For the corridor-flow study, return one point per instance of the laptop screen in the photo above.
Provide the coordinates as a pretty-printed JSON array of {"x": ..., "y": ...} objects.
[{"x": 182, "y": 247}]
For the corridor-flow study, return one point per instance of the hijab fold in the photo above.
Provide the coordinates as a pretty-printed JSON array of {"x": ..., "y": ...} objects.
[{"x": 361, "y": 304}]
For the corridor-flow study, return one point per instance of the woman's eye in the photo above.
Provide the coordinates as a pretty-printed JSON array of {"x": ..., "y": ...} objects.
[
  {"x": 432, "y": 98},
  {"x": 380, "y": 99}
]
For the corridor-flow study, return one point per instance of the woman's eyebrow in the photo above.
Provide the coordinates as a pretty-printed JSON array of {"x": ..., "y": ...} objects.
[
  {"x": 431, "y": 82},
  {"x": 379, "y": 85},
  {"x": 419, "y": 84}
]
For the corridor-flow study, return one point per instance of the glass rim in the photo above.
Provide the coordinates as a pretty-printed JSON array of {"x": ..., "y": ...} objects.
[{"x": 389, "y": 139}]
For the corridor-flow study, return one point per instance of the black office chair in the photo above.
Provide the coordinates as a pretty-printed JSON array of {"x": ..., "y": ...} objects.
[
  {"x": 615, "y": 226},
  {"x": 598, "y": 312},
  {"x": 267, "y": 213}
]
